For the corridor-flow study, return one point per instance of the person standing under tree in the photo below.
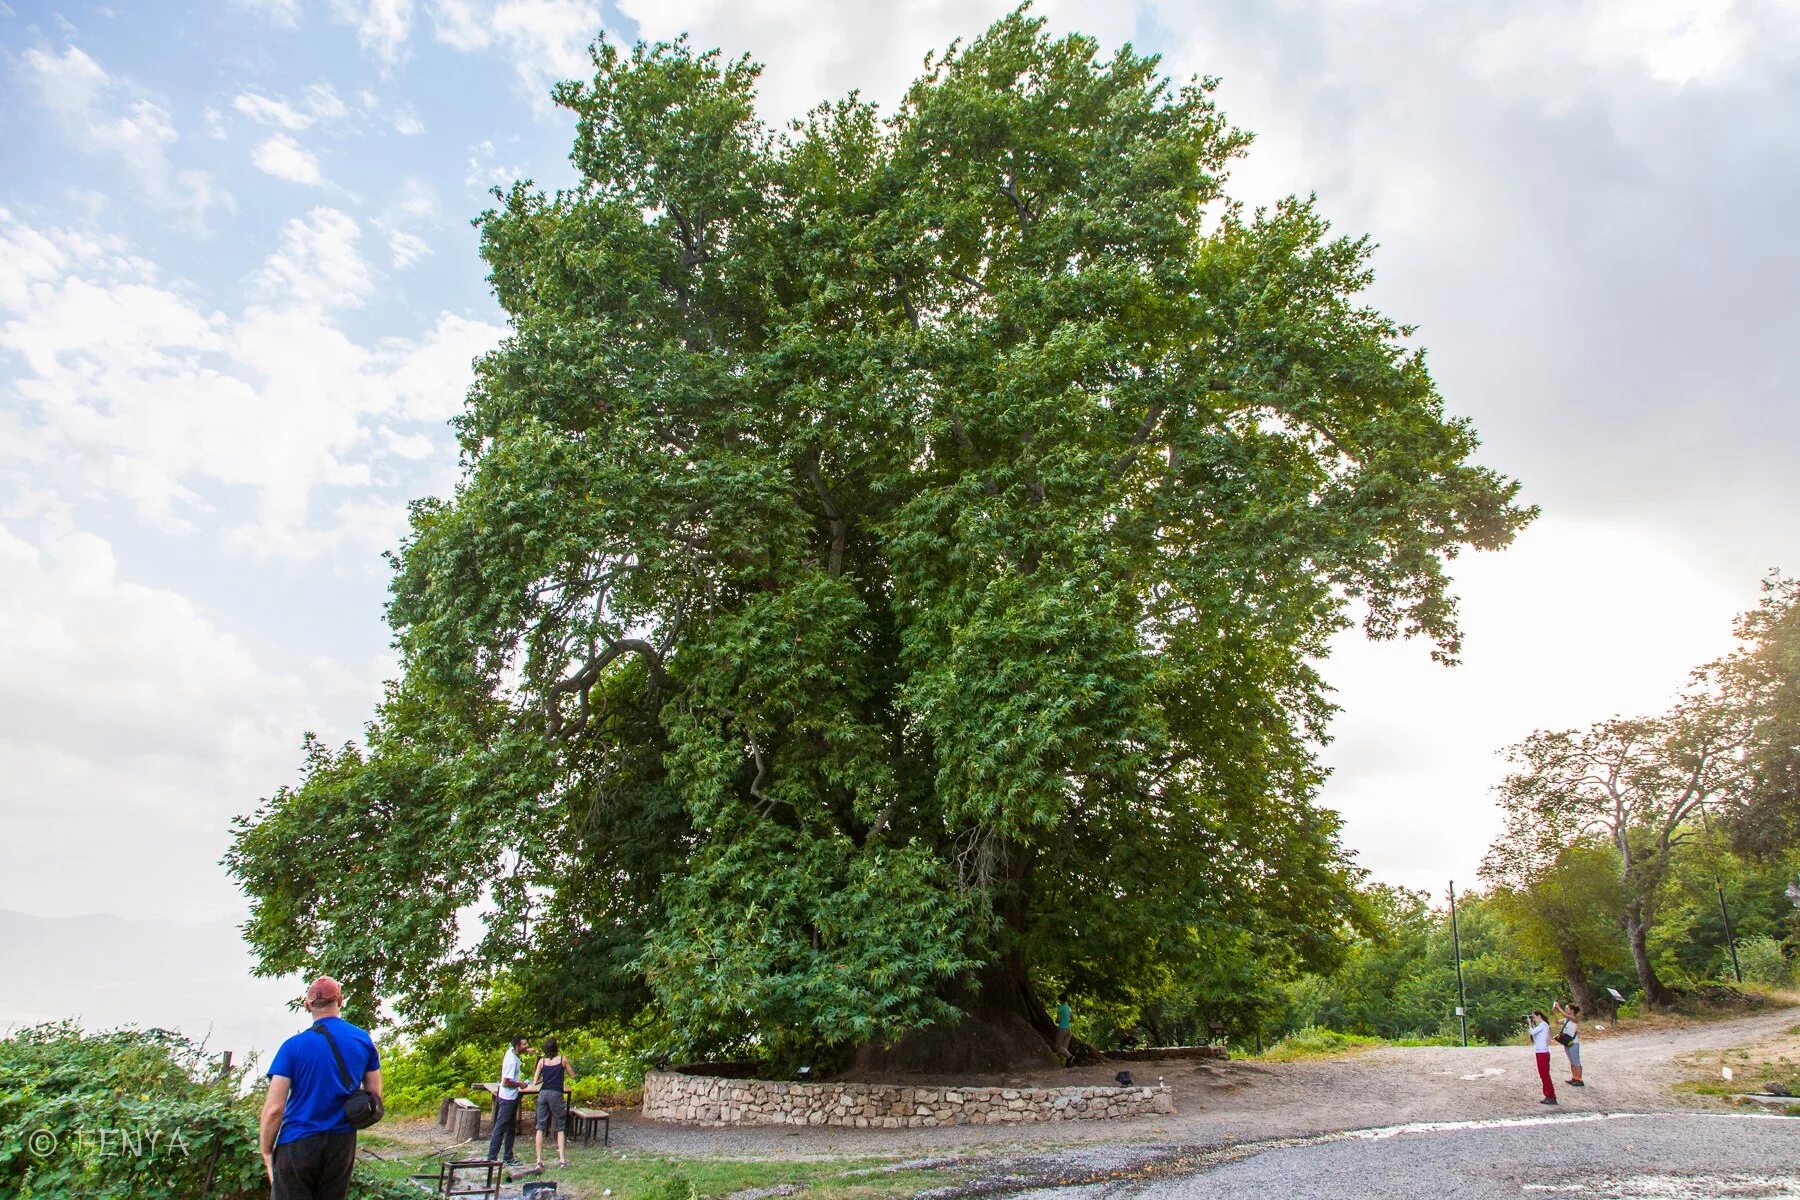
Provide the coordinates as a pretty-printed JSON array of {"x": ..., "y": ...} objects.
[
  {"x": 308, "y": 1144},
  {"x": 1539, "y": 1025},
  {"x": 552, "y": 1079},
  {"x": 1064, "y": 1018},
  {"x": 1571, "y": 1029},
  {"x": 506, "y": 1102}
]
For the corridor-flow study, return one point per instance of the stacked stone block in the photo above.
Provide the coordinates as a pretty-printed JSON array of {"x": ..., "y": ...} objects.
[{"x": 714, "y": 1101}]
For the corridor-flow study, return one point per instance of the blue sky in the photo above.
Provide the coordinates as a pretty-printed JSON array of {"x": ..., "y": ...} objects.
[{"x": 239, "y": 296}]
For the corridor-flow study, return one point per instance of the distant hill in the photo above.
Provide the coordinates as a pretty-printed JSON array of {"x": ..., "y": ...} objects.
[{"x": 105, "y": 970}]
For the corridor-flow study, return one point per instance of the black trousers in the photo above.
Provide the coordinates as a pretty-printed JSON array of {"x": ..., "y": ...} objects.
[
  {"x": 506, "y": 1122},
  {"x": 315, "y": 1168}
]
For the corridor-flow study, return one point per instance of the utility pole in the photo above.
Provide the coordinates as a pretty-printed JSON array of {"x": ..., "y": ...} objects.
[
  {"x": 1724, "y": 912},
  {"x": 1462, "y": 996}
]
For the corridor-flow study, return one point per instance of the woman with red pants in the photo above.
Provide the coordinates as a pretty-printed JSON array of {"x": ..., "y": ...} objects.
[{"x": 1540, "y": 1045}]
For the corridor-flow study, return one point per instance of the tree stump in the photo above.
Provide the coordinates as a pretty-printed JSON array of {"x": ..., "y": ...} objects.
[{"x": 465, "y": 1120}]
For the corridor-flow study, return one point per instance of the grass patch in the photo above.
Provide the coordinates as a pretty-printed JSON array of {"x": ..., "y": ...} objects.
[
  {"x": 634, "y": 1176},
  {"x": 1314, "y": 1042},
  {"x": 1753, "y": 1068}
]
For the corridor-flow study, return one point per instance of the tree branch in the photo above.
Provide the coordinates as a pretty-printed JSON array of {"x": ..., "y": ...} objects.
[
  {"x": 1139, "y": 436},
  {"x": 840, "y": 528}
]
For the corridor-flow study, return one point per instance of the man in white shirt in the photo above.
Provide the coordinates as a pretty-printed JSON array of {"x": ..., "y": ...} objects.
[{"x": 506, "y": 1103}]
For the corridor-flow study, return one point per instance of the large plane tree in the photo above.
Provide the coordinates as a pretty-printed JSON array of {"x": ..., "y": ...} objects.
[{"x": 889, "y": 576}]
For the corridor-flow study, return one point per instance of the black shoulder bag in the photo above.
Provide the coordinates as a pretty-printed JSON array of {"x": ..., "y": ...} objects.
[{"x": 362, "y": 1108}]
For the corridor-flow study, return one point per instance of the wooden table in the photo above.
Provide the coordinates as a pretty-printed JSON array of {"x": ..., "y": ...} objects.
[
  {"x": 569, "y": 1122},
  {"x": 493, "y": 1091}
]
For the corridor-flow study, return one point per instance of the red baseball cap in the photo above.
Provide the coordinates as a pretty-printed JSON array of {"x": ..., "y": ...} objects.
[{"x": 324, "y": 992}]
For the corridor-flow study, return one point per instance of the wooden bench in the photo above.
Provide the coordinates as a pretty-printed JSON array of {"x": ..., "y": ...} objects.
[{"x": 583, "y": 1120}]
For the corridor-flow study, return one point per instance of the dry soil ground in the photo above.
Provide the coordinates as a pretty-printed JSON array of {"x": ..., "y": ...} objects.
[
  {"x": 1219, "y": 1103},
  {"x": 1244, "y": 1120}
]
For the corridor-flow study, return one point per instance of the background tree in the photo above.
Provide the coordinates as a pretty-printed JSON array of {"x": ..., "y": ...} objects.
[
  {"x": 1764, "y": 676},
  {"x": 1640, "y": 784},
  {"x": 1691, "y": 934},
  {"x": 888, "y": 573},
  {"x": 1563, "y": 901},
  {"x": 1398, "y": 980}
]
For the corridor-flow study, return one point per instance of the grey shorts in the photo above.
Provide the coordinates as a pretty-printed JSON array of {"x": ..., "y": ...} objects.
[
  {"x": 1574, "y": 1049},
  {"x": 550, "y": 1110}
]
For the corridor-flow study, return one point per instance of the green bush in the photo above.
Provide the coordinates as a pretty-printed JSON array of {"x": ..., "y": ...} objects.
[
  {"x": 669, "y": 1187},
  {"x": 1763, "y": 962},
  {"x": 1316, "y": 1042},
  {"x": 417, "y": 1077},
  {"x": 129, "y": 1115}
]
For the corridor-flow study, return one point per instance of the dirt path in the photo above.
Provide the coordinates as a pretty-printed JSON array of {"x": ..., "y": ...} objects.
[{"x": 1221, "y": 1103}]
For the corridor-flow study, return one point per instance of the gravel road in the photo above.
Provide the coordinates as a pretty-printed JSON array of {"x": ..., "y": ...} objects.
[
  {"x": 1665, "y": 1156},
  {"x": 1224, "y": 1103}
]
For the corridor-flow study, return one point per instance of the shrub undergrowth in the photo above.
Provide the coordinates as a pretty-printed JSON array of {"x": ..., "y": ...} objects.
[{"x": 130, "y": 1115}]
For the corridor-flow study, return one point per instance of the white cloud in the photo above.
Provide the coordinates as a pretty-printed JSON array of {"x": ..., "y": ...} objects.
[
  {"x": 485, "y": 170},
  {"x": 545, "y": 40},
  {"x": 414, "y": 205},
  {"x": 132, "y": 726},
  {"x": 317, "y": 265},
  {"x": 415, "y": 201},
  {"x": 382, "y": 26},
  {"x": 324, "y": 104},
  {"x": 1549, "y": 645},
  {"x": 320, "y": 105},
  {"x": 284, "y": 158},
  {"x": 814, "y": 54},
  {"x": 129, "y": 388},
  {"x": 430, "y": 377},
  {"x": 266, "y": 110},
  {"x": 102, "y": 117},
  {"x": 1674, "y": 42},
  {"x": 285, "y": 13},
  {"x": 406, "y": 248},
  {"x": 28, "y": 256},
  {"x": 407, "y": 122}
]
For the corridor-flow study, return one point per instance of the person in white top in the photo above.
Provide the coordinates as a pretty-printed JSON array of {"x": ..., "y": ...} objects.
[
  {"x": 1571, "y": 1029},
  {"x": 506, "y": 1101},
  {"x": 1539, "y": 1025}
]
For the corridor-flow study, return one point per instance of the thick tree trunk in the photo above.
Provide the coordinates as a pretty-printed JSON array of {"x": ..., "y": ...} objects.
[
  {"x": 1636, "y": 929},
  {"x": 1004, "y": 1028},
  {"x": 1581, "y": 989}
]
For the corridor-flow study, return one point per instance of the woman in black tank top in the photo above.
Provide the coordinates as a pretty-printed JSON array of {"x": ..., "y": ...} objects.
[
  {"x": 552, "y": 1081},
  {"x": 551, "y": 1076}
]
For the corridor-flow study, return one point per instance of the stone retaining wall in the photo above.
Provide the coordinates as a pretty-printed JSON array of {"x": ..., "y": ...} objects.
[
  {"x": 1159, "y": 1053},
  {"x": 710, "y": 1100}
]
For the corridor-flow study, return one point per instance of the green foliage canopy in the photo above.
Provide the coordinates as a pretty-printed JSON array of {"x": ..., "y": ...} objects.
[
  {"x": 1398, "y": 979},
  {"x": 890, "y": 557}
]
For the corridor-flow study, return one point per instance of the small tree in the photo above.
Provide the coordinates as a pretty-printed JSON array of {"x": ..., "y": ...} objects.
[
  {"x": 1562, "y": 900},
  {"x": 1639, "y": 783}
]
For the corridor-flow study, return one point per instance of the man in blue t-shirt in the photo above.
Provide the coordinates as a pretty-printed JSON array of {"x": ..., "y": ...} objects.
[{"x": 308, "y": 1148}]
